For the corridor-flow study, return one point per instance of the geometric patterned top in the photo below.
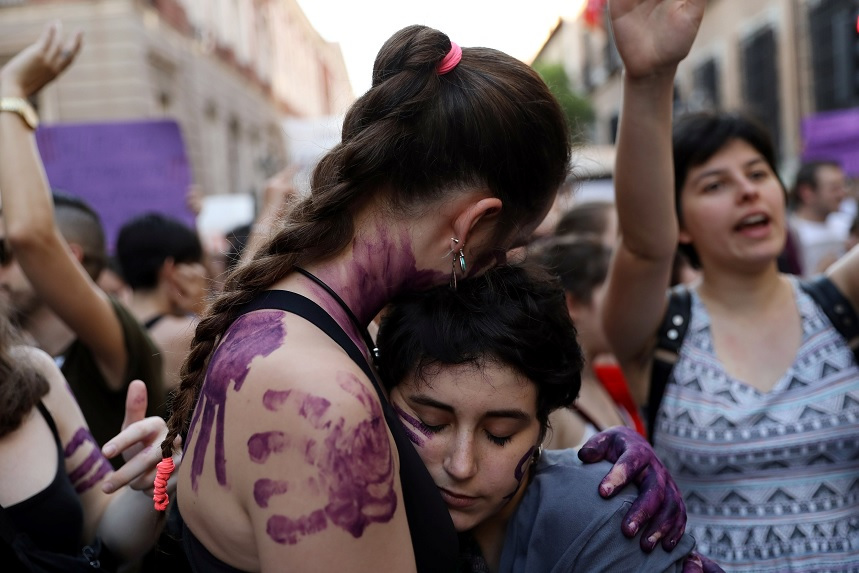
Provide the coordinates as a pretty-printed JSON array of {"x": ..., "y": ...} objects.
[{"x": 770, "y": 480}]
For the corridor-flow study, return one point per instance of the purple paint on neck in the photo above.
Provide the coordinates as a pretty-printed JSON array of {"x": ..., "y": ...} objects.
[
  {"x": 264, "y": 489},
  {"x": 81, "y": 437},
  {"x": 262, "y": 445},
  {"x": 288, "y": 531},
  {"x": 378, "y": 270},
  {"x": 254, "y": 334},
  {"x": 274, "y": 399}
]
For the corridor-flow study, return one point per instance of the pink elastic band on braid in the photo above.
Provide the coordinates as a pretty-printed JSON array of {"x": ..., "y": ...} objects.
[
  {"x": 162, "y": 474},
  {"x": 450, "y": 60}
]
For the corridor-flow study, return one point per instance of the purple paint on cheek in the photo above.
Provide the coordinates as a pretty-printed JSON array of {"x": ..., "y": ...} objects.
[
  {"x": 274, "y": 399},
  {"x": 262, "y": 445},
  {"x": 255, "y": 334},
  {"x": 519, "y": 473},
  {"x": 411, "y": 423},
  {"x": 264, "y": 489},
  {"x": 288, "y": 531}
]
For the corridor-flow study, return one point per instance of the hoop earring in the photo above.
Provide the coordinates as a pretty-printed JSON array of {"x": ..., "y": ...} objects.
[
  {"x": 537, "y": 453},
  {"x": 458, "y": 259}
]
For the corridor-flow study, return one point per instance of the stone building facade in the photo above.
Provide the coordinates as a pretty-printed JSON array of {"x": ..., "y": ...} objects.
[{"x": 228, "y": 71}]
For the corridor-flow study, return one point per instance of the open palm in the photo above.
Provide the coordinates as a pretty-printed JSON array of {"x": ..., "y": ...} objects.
[{"x": 652, "y": 36}]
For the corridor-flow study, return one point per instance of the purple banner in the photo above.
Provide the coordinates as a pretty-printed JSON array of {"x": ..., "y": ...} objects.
[
  {"x": 121, "y": 169},
  {"x": 833, "y": 135}
]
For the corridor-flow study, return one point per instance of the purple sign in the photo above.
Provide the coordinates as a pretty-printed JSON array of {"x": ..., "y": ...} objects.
[
  {"x": 833, "y": 135},
  {"x": 121, "y": 169}
]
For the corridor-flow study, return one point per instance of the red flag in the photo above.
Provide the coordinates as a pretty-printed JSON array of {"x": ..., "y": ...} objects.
[{"x": 593, "y": 13}]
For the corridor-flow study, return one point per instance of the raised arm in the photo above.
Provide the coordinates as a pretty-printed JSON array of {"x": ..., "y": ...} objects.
[
  {"x": 652, "y": 37},
  {"x": 46, "y": 259}
]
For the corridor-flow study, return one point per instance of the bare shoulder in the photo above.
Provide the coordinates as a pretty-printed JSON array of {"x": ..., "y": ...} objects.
[
  {"x": 174, "y": 329},
  {"x": 295, "y": 432}
]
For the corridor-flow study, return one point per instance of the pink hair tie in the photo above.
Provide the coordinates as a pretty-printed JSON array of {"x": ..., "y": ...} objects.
[
  {"x": 450, "y": 60},
  {"x": 164, "y": 469}
]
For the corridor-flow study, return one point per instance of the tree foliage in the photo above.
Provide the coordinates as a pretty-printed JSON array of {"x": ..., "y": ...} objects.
[{"x": 578, "y": 109}]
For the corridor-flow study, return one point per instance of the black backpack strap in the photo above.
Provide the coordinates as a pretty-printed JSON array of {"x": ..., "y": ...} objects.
[
  {"x": 836, "y": 307},
  {"x": 673, "y": 329}
]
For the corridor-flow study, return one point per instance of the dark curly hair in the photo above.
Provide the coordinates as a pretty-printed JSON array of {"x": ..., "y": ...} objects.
[{"x": 513, "y": 315}]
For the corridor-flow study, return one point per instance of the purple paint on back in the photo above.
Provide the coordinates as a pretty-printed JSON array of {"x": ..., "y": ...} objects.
[
  {"x": 313, "y": 408},
  {"x": 288, "y": 531},
  {"x": 264, "y": 489},
  {"x": 355, "y": 465},
  {"x": 360, "y": 468},
  {"x": 262, "y": 445},
  {"x": 274, "y": 399},
  {"x": 254, "y": 334}
]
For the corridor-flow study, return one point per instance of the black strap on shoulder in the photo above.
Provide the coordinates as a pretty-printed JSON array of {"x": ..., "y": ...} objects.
[
  {"x": 153, "y": 321},
  {"x": 434, "y": 539},
  {"x": 673, "y": 329},
  {"x": 307, "y": 309},
  {"x": 836, "y": 307}
]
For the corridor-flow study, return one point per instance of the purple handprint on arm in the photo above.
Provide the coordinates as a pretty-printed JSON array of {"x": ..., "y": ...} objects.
[{"x": 659, "y": 506}]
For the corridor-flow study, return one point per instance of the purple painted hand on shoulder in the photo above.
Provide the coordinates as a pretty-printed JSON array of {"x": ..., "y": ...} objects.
[
  {"x": 254, "y": 334},
  {"x": 659, "y": 506},
  {"x": 355, "y": 464}
]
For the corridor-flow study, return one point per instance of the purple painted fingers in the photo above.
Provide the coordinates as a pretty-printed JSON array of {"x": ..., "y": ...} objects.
[
  {"x": 659, "y": 506},
  {"x": 696, "y": 563}
]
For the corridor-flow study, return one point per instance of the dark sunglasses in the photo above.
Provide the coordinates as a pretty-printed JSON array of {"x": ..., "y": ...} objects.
[{"x": 5, "y": 252}]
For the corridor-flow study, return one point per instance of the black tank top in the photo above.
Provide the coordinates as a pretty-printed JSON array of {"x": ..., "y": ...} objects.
[
  {"x": 53, "y": 519},
  {"x": 434, "y": 539}
]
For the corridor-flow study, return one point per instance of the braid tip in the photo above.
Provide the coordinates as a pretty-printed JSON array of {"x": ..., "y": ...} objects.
[{"x": 163, "y": 470}]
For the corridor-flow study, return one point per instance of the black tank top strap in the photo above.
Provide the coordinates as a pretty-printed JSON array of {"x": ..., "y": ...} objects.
[
  {"x": 434, "y": 538},
  {"x": 52, "y": 425},
  {"x": 153, "y": 321}
]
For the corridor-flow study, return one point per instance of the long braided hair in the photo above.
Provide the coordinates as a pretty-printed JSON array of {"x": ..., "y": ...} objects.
[{"x": 414, "y": 136}]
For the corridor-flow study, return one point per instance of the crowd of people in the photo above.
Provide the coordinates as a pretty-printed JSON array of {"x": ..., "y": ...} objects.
[{"x": 412, "y": 368}]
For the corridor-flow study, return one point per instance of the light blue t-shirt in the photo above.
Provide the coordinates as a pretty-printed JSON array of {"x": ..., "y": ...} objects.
[{"x": 562, "y": 524}]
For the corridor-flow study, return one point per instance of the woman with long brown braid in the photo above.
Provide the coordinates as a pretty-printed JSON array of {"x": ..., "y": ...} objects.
[{"x": 297, "y": 460}]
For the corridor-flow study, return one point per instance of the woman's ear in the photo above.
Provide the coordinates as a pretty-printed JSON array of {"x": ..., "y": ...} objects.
[
  {"x": 683, "y": 237},
  {"x": 574, "y": 305},
  {"x": 476, "y": 217}
]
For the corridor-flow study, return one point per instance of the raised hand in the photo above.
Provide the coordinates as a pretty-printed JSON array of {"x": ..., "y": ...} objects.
[
  {"x": 659, "y": 506},
  {"x": 137, "y": 442},
  {"x": 652, "y": 36},
  {"x": 40, "y": 63}
]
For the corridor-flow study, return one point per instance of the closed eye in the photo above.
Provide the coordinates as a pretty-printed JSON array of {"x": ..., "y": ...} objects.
[{"x": 499, "y": 440}]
